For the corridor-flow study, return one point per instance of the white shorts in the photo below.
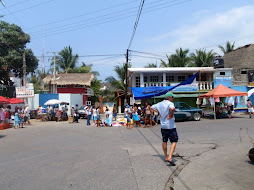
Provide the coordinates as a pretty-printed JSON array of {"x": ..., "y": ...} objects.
[{"x": 250, "y": 110}]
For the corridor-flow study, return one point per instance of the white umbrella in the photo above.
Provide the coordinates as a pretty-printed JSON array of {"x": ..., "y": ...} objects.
[
  {"x": 251, "y": 92},
  {"x": 52, "y": 102}
]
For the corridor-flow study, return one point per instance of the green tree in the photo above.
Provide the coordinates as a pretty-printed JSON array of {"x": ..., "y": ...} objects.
[
  {"x": 36, "y": 78},
  {"x": 228, "y": 48},
  {"x": 120, "y": 71},
  {"x": 12, "y": 47},
  {"x": 179, "y": 59},
  {"x": 66, "y": 61},
  {"x": 84, "y": 68},
  {"x": 151, "y": 65},
  {"x": 201, "y": 58}
]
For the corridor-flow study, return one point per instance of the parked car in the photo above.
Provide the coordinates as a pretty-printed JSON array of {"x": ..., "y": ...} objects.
[
  {"x": 184, "y": 111},
  {"x": 82, "y": 112}
]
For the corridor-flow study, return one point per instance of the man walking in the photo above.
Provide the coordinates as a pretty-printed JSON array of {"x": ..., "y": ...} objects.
[{"x": 166, "y": 110}]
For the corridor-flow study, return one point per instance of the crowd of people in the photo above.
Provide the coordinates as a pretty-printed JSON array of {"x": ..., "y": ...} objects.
[
  {"x": 21, "y": 116},
  {"x": 140, "y": 115}
]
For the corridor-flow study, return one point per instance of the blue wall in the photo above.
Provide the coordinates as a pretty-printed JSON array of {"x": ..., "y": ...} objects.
[{"x": 43, "y": 98}]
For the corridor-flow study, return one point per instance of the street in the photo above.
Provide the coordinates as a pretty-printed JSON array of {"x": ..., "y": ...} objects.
[{"x": 210, "y": 154}]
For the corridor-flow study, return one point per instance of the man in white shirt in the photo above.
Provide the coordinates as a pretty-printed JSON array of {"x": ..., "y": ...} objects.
[{"x": 166, "y": 110}]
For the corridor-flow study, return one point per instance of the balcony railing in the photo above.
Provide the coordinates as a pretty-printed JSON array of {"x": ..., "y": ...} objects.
[
  {"x": 202, "y": 85},
  {"x": 147, "y": 84},
  {"x": 205, "y": 85}
]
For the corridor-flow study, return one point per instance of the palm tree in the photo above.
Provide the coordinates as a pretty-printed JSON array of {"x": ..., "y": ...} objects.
[
  {"x": 228, "y": 48},
  {"x": 151, "y": 65},
  {"x": 179, "y": 59},
  {"x": 120, "y": 71},
  {"x": 66, "y": 62},
  {"x": 202, "y": 58},
  {"x": 84, "y": 68}
]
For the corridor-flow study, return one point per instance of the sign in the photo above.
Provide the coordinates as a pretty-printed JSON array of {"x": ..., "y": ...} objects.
[
  {"x": 226, "y": 81},
  {"x": 25, "y": 91},
  {"x": 187, "y": 88}
]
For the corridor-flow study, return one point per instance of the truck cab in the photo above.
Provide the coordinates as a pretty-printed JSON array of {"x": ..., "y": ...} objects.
[{"x": 184, "y": 111}]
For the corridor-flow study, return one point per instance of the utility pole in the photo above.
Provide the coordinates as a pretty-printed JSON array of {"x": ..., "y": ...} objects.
[
  {"x": 54, "y": 74},
  {"x": 126, "y": 78},
  {"x": 24, "y": 69}
]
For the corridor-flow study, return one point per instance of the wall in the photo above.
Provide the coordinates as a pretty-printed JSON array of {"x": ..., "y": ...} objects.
[
  {"x": 76, "y": 99},
  {"x": 72, "y": 90},
  {"x": 65, "y": 98},
  {"x": 33, "y": 102},
  {"x": 226, "y": 79},
  {"x": 43, "y": 98}
]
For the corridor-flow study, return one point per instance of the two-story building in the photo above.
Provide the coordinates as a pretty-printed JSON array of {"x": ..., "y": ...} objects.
[{"x": 208, "y": 79}]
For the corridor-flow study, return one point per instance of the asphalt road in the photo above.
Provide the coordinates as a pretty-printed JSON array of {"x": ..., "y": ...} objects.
[{"x": 58, "y": 155}]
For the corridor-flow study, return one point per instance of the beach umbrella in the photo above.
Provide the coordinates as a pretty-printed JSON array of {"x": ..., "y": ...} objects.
[
  {"x": 15, "y": 101},
  {"x": 53, "y": 102},
  {"x": 251, "y": 92},
  {"x": 3, "y": 100}
]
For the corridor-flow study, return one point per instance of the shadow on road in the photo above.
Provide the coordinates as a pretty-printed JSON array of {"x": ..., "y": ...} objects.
[{"x": 1, "y": 136}]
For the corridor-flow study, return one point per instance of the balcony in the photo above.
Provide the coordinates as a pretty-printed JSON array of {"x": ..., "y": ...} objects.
[
  {"x": 205, "y": 85},
  {"x": 148, "y": 84},
  {"x": 202, "y": 85}
]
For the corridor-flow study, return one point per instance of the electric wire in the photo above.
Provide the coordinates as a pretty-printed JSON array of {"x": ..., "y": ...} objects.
[
  {"x": 30, "y": 7},
  {"x": 70, "y": 18},
  {"x": 105, "y": 17},
  {"x": 78, "y": 28},
  {"x": 15, "y": 4},
  {"x": 136, "y": 22}
]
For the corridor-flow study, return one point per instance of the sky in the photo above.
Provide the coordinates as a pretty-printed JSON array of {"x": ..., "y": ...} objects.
[{"x": 100, "y": 31}]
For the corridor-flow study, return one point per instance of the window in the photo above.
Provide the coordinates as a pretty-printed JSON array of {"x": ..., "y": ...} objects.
[
  {"x": 184, "y": 106},
  {"x": 61, "y": 86},
  {"x": 78, "y": 86},
  {"x": 181, "y": 78},
  {"x": 145, "y": 79},
  {"x": 170, "y": 78},
  {"x": 243, "y": 72},
  {"x": 137, "y": 81},
  {"x": 154, "y": 78},
  {"x": 222, "y": 73}
]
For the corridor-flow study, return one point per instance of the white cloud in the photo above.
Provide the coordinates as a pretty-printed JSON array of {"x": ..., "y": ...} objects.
[{"x": 217, "y": 28}]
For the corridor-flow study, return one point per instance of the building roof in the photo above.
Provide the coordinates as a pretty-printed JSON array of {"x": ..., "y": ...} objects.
[
  {"x": 241, "y": 57},
  {"x": 70, "y": 79},
  {"x": 177, "y": 69}
]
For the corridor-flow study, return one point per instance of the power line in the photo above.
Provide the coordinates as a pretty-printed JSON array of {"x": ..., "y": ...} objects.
[
  {"x": 15, "y": 4},
  {"x": 119, "y": 18},
  {"x": 100, "y": 10},
  {"x": 30, "y": 7},
  {"x": 136, "y": 22},
  {"x": 146, "y": 53},
  {"x": 73, "y": 24}
]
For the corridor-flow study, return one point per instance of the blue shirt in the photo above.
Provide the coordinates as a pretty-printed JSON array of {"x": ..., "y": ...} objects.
[{"x": 164, "y": 110}]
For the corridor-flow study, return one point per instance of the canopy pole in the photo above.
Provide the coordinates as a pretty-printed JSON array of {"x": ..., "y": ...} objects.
[{"x": 214, "y": 109}]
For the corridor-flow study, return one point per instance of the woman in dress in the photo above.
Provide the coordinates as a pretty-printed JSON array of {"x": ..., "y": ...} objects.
[{"x": 135, "y": 115}]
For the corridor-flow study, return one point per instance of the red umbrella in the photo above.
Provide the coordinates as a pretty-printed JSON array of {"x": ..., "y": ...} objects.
[
  {"x": 15, "y": 101},
  {"x": 3, "y": 100}
]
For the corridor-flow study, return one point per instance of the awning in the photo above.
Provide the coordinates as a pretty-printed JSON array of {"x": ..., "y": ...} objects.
[{"x": 180, "y": 96}]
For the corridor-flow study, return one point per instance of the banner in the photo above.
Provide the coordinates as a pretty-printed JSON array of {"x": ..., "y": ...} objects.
[{"x": 25, "y": 91}]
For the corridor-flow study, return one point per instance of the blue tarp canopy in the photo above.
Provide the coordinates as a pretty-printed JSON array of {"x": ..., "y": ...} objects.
[{"x": 153, "y": 91}]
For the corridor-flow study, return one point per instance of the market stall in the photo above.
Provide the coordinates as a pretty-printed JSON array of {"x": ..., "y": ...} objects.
[{"x": 222, "y": 91}]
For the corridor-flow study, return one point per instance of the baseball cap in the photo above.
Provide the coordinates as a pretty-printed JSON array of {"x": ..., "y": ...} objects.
[
  {"x": 169, "y": 94},
  {"x": 127, "y": 106}
]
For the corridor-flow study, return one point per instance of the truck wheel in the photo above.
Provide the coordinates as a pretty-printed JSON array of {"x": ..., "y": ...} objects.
[{"x": 196, "y": 116}]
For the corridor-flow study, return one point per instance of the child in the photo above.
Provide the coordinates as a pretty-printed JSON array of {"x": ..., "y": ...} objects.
[
  {"x": 16, "y": 121},
  {"x": 21, "y": 120}
]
